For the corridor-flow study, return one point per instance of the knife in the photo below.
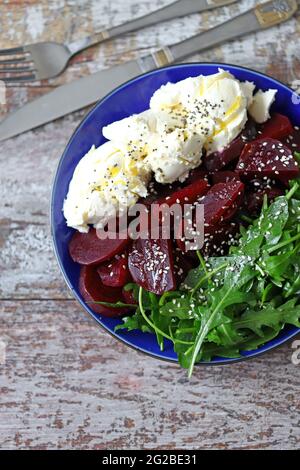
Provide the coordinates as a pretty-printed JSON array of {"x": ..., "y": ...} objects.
[
  {"x": 86, "y": 91},
  {"x": 173, "y": 10}
]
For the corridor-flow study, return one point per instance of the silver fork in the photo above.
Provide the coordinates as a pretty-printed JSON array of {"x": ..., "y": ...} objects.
[{"x": 48, "y": 59}]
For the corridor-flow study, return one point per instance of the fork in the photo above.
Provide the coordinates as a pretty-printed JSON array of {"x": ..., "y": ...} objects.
[{"x": 45, "y": 60}]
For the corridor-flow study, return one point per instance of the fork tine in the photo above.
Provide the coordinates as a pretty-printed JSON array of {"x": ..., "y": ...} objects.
[
  {"x": 14, "y": 61},
  {"x": 21, "y": 78},
  {"x": 12, "y": 50},
  {"x": 16, "y": 69}
]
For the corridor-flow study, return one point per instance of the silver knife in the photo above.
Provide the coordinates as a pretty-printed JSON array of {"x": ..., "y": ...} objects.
[
  {"x": 173, "y": 10},
  {"x": 86, "y": 91}
]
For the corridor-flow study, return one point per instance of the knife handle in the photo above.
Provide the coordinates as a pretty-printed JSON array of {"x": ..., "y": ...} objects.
[
  {"x": 174, "y": 10},
  {"x": 261, "y": 17}
]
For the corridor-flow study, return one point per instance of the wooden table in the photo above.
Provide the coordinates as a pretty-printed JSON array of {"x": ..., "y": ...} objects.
[{"x": 64, "y": 383}]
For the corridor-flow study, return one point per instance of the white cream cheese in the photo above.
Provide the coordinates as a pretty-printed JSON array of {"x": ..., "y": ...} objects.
[
  {"x": 166, "y": 141},
  {"x": 100, "y": 186},
  {"x": 260, "y": 107}
]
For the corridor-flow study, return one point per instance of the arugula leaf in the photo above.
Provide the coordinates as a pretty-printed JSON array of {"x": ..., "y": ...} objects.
[
  {"x": 135, "y": 322},
  {"x": 255, "y": 320},
  {"x": 237, "y": 275},
  {"x": 236, "y": 302},
  {"x": 274, "y": 219},
  {"x": 292, "y": 285},
  {"x": 157, "y": 319},
  {"x": 294, "y": 215},
  {"x": 247, "y": 343},
  {"x": 276, "y": 266},
  {"x": 225, "y": 335},
  {"x": 181, "y": 308},
  {"x": 192, "y": 278},
  {"x": 297, "y": 157}
]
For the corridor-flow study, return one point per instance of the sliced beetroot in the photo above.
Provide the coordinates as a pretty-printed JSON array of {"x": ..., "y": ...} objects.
[
  {"x": 151, "y": 265},
  {"x": 218, "y": 239},
  {"x": 159, "y": 191},
  {"x": 218, "y": 160},
  {"x": 180, "y": 241},
  {"x": 87, "y": 249},
  {"x": 278, "y": 127},
  {"x": 254, "y": 200},
  {"x": 92, "y": 290},
  {"x": 115, "y": 273},
  {"x": 220, "y": 205},
  {"x": 187, "y": 195},
  {"x": 258, "y": 184},
  {"x": 183, "y": 264},
  {"x": 292, "y": 141},
  {"x": 224, "y": 177},
  {"x": 267, "y": 158},
  {"x": 222, "y": 201},
  {"x": 197, "y": 174},
  {"x": 128, "y": 296}
]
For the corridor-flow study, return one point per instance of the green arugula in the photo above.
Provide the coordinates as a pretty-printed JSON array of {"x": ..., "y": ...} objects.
[{"x": 233, "y": 303}]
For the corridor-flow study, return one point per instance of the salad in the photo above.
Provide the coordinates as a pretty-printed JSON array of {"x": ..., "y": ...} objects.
[{"x": 211, "y": 142}]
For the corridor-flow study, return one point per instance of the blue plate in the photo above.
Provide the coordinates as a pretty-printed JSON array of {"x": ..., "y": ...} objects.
[{"x": 133, "y": 97}]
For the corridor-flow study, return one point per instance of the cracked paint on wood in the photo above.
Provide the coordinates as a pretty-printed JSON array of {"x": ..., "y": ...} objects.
[{"x": 64, "y": 382}]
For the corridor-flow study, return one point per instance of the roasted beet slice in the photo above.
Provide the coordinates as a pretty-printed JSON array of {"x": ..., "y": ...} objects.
[
  {"x": 187, "y": 195},
  {"x": 180, "y": 242},
  {"x": 159, "y": 191},
  {"x": 197, "y": 174},
  {"x": 220, "y": 205},
  {"x": 218, "y": 160},
  {"x": 253, "y": 200},
  {"x": 278, "y": 127},
  {"x": 221, "y": 202},
  {"x": 115, "y": 273},
  {"x": 151, "y": 265},
  {"x": 88, "y": 249},
  {"x": 183, "y": 264},
  {"x": 292, "y": 141},
  {"x": 258, "y": 184},
  {"x": 92, "y": 290},
  {"x": 267, "y": 158},
  {"x": 224, "y": 177},
  {"x": 218, "y": 239}
]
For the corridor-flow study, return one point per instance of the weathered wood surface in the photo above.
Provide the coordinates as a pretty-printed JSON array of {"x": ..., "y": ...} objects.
[
  {"x": 63, "y": 382},
  {"x": 67, "y": 384}
]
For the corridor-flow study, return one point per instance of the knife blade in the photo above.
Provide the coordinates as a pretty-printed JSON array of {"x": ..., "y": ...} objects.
[
  {"x": 86, "y": 91},
  {"x": 173, "y": 10}
]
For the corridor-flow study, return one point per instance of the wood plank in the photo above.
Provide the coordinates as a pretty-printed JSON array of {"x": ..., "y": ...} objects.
[
  {"x": 274, "y": 51},
  {"x": 28, "y": 268},
  {"x": 66, "y": 383}
]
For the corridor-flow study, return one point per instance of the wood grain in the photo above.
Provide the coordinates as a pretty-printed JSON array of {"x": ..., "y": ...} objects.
[
  {"x": 63, "y": 382},
  {"x": 76, "y": 387}
]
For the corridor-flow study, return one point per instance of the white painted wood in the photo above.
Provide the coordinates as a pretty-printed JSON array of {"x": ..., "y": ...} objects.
[
  {"x": 67, "y": 384},
  {"x": 60, "y": 379}
]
